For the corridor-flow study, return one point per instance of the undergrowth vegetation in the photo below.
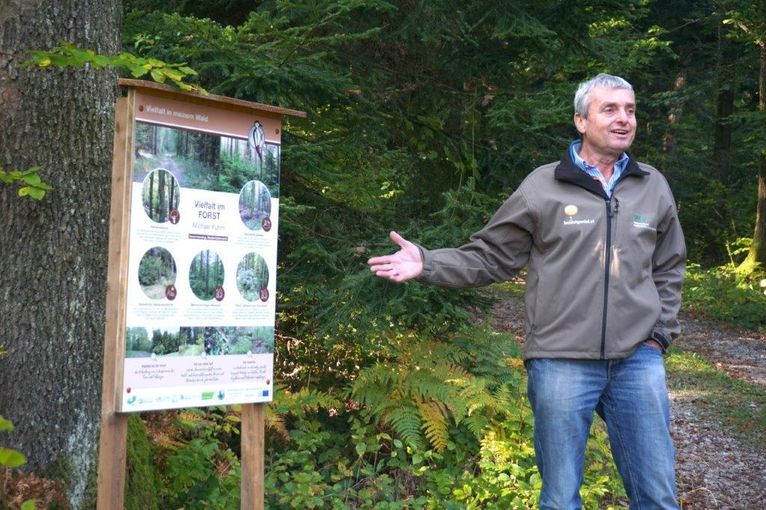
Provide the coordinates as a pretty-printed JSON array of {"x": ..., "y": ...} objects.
[
  {"x": 727, "y": 295},
  {"x": 435, "y": 423}
]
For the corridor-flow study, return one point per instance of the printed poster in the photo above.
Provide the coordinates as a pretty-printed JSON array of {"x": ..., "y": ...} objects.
[{"x": 202, "y": 259}]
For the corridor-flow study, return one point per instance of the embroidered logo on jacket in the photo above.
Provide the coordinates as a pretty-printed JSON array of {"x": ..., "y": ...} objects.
[
  {"x": 641, "y": 221},
  {"x": 572, "y": 221},
  {"x": 571, "y": 210}
]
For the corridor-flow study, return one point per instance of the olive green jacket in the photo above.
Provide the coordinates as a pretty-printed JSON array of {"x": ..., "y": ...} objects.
[{"x": 604, "y": 274}]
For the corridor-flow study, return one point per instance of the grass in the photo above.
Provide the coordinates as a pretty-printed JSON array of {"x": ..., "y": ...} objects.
[
  {"x": 737, "y": 405},
  {"x": 729, "y": 297}
]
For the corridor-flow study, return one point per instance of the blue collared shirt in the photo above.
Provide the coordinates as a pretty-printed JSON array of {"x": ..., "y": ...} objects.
[{"x": 619, "y": 167}]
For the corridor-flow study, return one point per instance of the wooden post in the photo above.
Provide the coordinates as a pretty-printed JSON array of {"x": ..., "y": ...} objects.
[
  {"x": 252, "y": 438},
  {"x": 114, "y": 426}
]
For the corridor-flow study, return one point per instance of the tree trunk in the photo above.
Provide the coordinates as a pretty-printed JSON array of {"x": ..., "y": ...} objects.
[
  {"x": 52, "y": 314},
  {"x": 152, "y": 213},
  {"x": 722, "y": 139},
  {"x": 162, "y": 210},
  {"x": 757, "y": 255}
]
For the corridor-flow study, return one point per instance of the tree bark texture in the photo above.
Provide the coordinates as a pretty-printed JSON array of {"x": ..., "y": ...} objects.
[
  {"x": 758, "y": 249},
  {"x": 53, "y": 253}
]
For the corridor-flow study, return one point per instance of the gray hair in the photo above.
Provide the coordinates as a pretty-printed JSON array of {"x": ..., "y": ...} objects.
[{"x": 582, "y": 96}]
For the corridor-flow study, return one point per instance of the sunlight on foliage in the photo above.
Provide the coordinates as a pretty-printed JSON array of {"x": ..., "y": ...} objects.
[
  {"x": 69, "y": 55},
  {"x": 10, "y": 458},
  {"x": 31, "y": 183},
  {"x": 725, "y": 294},
  {"x": 427, "y": 387}
]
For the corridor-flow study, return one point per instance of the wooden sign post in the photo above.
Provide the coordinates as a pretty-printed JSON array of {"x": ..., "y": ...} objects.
[{"x": 192, "y": 268}]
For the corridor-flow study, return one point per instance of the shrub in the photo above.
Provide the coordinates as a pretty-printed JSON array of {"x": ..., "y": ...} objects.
[{"x": 150, "y": 271}]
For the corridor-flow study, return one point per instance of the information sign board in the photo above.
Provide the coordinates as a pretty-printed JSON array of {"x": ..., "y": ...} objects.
[{"x": 201, "y": 278}]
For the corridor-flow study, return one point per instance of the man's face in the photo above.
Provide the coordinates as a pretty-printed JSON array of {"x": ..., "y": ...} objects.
[{"x": 611, "y": 124}]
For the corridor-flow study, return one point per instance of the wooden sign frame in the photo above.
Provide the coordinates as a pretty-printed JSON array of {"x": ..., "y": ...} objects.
[{"x": 113, "y": 438}]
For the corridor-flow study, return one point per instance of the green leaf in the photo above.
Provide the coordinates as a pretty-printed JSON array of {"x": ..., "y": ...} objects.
[
  {"x": 173, "y": 75},
  {"x": 36, "y": 193},
  {"x": 11, "y": 458},
  {"x": 30, "y": 170},
  {"x": 101, "y": 61},
  {"x": 5, "y": 425},
  {"x": 30, "y": 504},
  {"x": 157, "y": 76},
  {"x": 32, "y": 179},
  {"x": 137, "y": 70},
  {"x": 187, "y": 71},
  {"x": 360, "y": 449}
]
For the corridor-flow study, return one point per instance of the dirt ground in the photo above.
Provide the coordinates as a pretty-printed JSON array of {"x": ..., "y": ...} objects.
[{"x": 715, "y": 469}]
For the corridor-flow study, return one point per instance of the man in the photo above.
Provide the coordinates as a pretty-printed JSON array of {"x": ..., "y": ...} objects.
[{"x": 600, "y": 236}]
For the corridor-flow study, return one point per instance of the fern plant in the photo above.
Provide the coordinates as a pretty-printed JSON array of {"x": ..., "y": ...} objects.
[
  {"x": 299, "y": 404},
  {"x": 429, "y": 386}
]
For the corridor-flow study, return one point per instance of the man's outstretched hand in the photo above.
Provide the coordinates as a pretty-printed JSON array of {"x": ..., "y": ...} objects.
[{"x": 401, "y": 266}]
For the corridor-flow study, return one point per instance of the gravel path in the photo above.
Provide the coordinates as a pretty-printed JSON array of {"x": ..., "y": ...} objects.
[{"x": 715, "y": 470}]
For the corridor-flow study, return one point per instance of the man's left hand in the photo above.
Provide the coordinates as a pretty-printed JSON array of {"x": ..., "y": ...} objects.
[{"x": 654, "y": 344}]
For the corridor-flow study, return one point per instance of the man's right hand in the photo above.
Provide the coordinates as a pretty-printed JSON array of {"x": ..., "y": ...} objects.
[{"x": 405, "y": 264}]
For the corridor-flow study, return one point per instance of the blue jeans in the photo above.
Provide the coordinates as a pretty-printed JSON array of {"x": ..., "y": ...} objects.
[{"x": 632, "y": 398}]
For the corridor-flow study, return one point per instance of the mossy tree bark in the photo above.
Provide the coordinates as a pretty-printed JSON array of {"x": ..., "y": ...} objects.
[
  {"x": 753, "y": 25},
  {"x": 756, "y": 258},
  {"x": 53, "y": 253}
]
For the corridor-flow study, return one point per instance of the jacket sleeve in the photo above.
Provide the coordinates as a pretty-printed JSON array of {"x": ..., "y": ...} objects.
[
  {"x": 668, "y": 269},
  {"x": 493, "y": 254}
]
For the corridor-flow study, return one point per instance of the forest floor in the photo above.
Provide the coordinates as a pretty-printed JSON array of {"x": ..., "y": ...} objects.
[{"x": 720, "y": 463}]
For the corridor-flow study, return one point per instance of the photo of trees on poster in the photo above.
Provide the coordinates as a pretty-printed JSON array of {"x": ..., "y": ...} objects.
[
  {"x": 156, "y": 272},
  {"x": 252, "y": 276},
  {"x": 206, "y": 275},
  {"x": 196, "y": 341},
  {"x": 159, "y": 196},
  {"x": 254, "y": 205},
  {"x": 206, "y": 161}
]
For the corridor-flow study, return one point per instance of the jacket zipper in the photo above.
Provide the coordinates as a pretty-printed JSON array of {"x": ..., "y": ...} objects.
[{"x": 607, "y": 263}]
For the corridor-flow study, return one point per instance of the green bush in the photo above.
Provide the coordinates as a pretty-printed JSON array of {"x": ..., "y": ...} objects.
[{"x": 150, "y": 270}]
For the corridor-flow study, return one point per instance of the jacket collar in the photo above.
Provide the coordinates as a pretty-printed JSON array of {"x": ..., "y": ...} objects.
[{"x": 567, "y": 171}]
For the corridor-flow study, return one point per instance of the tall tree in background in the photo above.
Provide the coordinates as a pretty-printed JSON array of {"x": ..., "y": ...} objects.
[
  {"x": 749, "y": 18},
  {"x": 53, "y": 258}
]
